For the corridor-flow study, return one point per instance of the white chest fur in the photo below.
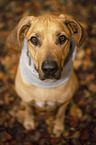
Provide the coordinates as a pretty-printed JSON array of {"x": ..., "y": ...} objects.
[{"x": 44, "y": 104}]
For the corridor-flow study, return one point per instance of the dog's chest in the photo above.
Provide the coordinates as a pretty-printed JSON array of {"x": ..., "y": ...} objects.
[{"x": 44, "y": 104}]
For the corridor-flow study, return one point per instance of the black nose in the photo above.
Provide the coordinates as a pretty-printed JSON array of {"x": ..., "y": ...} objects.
[{"x": 49, "y": 67}]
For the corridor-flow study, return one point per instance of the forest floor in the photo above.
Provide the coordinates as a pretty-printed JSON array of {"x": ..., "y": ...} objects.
[{"x": 78, "y": 130}]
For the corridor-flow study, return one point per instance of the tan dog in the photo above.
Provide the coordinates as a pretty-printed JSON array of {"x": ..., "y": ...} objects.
[{"x": 48, "y": 40}]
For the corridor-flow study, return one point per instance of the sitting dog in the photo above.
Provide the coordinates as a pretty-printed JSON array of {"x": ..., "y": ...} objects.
[{"x": 45, "y": 77}]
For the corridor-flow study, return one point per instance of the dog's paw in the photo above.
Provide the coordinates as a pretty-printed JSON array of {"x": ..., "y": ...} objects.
[
  {"x": 58, "y": 129},
  {"x": 29, "y": 124}
]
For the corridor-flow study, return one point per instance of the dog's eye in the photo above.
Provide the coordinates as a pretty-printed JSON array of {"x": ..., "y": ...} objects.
[
  {"x": 62, "y": 39},
  {"x": 34, "y": 40}
]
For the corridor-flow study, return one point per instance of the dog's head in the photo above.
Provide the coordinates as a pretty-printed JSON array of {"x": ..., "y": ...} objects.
[{"x": 48, "y": 39}]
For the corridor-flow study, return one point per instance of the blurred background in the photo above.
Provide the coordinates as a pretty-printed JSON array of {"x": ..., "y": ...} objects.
[{"x": 79, "y": 130}]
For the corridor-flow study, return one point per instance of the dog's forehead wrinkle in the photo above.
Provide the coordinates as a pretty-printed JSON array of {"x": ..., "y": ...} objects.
[{"x": 47, "y": 23}]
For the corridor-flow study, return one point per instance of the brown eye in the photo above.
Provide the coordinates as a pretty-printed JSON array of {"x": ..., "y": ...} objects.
[
  {"x": 34, "y": 40},
  {"x": 62, "y": 39}
]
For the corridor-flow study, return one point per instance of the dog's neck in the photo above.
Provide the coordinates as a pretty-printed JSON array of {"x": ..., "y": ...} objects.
[{"x": 30, "y": 74}]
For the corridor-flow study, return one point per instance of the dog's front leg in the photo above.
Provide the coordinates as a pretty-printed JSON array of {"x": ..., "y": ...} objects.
[
  {"x": 29, "y": 118},
  {"x": 59, "y": 122}
]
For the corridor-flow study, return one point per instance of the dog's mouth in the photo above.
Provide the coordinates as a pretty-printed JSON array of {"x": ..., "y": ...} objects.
[{"x": 45, "y": 77}]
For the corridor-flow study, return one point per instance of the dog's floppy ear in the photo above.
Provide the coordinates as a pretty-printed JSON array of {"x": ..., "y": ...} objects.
[
  {"x": 74, "y": 27},
  {"x": 22, "y": 27}
]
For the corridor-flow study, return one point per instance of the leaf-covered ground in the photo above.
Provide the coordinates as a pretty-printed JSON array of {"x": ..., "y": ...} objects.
[{"x": 79, "y": 130}]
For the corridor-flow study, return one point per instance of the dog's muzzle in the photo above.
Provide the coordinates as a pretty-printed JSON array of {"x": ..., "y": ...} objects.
[{"x": 49, "y": 70}]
